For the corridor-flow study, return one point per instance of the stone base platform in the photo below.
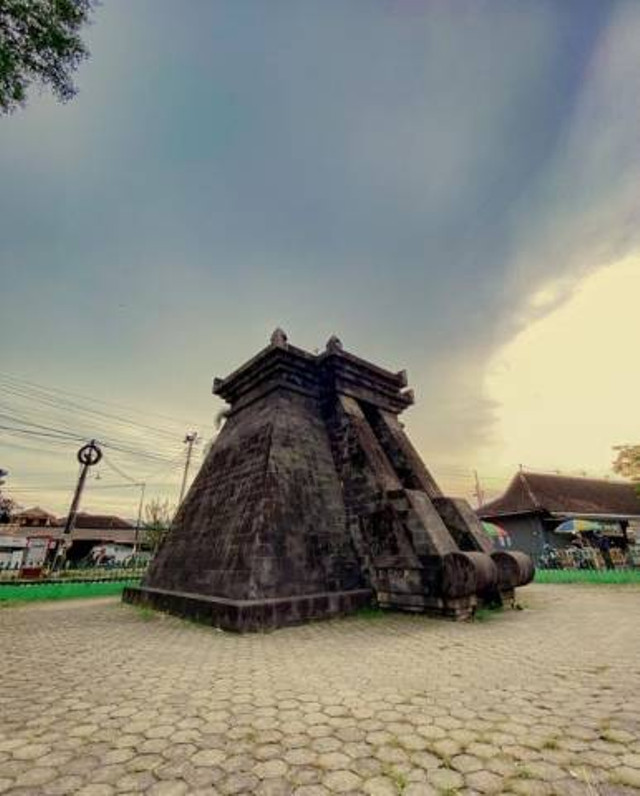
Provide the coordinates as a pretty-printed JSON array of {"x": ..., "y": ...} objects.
[{"x": 250, "y": 615}]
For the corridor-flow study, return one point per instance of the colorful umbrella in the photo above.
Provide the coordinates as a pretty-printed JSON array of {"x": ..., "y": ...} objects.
[
  {"x": 579, "y": 526},
  {"x": 497, "y": 533}
]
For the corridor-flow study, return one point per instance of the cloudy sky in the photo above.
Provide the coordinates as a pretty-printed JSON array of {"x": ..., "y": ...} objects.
[{"x": 451, "y": 187}]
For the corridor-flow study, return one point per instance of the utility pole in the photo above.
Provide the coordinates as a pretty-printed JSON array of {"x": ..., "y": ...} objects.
[
  {"x": 478, "y": 493},
  {"x": 88, "y": 455},
  {"x": 142, "y": 486},
  {"x": 189, "y": 440}
]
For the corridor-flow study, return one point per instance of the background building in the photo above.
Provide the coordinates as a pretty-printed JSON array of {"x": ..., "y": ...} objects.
[
  {"x": 90, "y": 531},
  {"x": 535, "y": 505}
]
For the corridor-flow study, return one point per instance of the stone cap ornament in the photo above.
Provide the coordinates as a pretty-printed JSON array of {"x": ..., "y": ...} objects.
[
  {"x": 334, "y": 344},
  {"x": 279, "y": 338}
]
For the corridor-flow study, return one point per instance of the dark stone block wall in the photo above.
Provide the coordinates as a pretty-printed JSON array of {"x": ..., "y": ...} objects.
[
  {"x": 312, "y": 502},
  {"x": 264, "y": 517}
]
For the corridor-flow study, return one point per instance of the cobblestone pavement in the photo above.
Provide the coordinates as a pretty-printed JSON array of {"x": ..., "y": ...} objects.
[{"x": 99, "y": 698}]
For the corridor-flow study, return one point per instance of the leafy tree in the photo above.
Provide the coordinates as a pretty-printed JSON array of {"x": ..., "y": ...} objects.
[
  {"x": 40, "y": 42},
  {"x": 627, "y": 462},
  {"x": 7, "y": 508},
  {"x": 159, "y": 514},
  {"x": 7, "y": 505}
]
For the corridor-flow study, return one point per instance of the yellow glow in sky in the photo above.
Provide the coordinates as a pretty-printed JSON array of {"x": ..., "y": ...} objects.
[{"x": 568, "y": 386}]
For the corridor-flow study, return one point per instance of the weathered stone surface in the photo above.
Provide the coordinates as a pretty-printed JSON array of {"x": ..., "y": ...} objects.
[{"x": 312, "y": 502}]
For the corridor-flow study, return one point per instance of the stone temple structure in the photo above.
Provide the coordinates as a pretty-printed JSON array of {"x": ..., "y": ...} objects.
[{"x": 312, "y": 502}]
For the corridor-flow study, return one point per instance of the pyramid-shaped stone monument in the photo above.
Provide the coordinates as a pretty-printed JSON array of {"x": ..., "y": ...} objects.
[{"x": 312, "y": 502}]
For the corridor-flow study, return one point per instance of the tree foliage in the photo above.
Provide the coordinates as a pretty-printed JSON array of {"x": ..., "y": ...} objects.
[
  {"x": 158, "y": 514},
  {"x": 7, "y": 508},
  {"x": 40, "y": 42},
  {"x": 627, "y": 461}
]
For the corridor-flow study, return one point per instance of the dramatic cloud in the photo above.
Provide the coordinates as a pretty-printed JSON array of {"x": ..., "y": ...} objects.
[{"x": 425, "y": 179}]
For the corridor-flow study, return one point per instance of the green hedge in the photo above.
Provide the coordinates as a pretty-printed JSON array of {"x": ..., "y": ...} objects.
[
  {"x": 29, "y": 592},
  {"x": 587, "y": 576}
]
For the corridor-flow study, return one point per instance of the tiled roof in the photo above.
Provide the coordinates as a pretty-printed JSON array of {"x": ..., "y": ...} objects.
[
  {"x": 537, "y": 492},
  {"x": 106, "y": 521},
  {"x": 120, "y": 535}
]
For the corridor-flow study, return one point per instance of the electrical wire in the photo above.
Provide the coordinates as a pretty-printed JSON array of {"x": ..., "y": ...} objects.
[{"x": 58, "y": 394}]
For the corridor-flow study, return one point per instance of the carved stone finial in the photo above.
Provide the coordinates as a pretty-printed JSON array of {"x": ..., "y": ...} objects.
[
  {"x": 279, "y": 338},
  {"x": 334, "y": 344},
  {"x": 410, "y": 396}
]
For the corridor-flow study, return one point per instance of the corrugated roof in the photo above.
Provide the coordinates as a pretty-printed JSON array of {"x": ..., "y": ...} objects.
[{"x": 541, "y": 492}]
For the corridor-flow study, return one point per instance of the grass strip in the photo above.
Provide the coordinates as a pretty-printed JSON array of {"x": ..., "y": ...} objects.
[
  {"x": 597, "y": 576},
  {"x": 32, "y": 592}
]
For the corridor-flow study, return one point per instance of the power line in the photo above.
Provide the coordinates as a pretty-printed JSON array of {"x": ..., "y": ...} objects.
[
  {"x": 12, "y": 379},
  {"x": 94, "y": 419},
  {"x": 61, "y": 436},
  {"x": 118, "y": 425},
  {"x": 67, "y": 488},
  {"x": 36, "y": 433},
  {"x": 117, "y": 470}
]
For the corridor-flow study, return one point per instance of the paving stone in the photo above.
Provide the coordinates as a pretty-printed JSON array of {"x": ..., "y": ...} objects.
[
  {"x": 484, "y": 782},
  {"x": 300, "y": 757},
  {"x": 271, "y": 768},
  {"x": 274, "y": 787},
  {"x": 8, "y": 744},
  {"x": 302, "y": 775},
  {"x": 36, "y": 776},
  {"x": 108, "y": 774},
  {"x": 341, "y": 781},
  {"x": 169, "y": 787},
  {"x": 324, "y": 745},
  {"x": 366, "y": 767},
  {"x": 197, "y": 776},
  {"x": 391, "y": 754},
  {"x": 61, "y": 786},
  {"x": 531, "y": 787},
  {"x": 483, "y": 750},
  {"x": 208, "y": 757},
  {"x": 630, "y": 760},
  {"x": 445, "y": 779},
  {"x": 118, "y": 756},
  {"x": 239, "y": 783},
  {"x": 218, "y": 713},
  {"x": 380, "y": 786},
  {"x": 624, "y": 775},
  {"x": 138, "y": 781},
  {"x": 426, "y": 760},
  {"x": 356, "y": 749},
  {"x": 545, "y": 771},
  {"x": 144, "y": 763},
  {"x": 466, "y": 764},
  {"x": 420, "y": 789},
  {"x": 30, "y": 751},
  {"x": 96, "y": 789}
]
